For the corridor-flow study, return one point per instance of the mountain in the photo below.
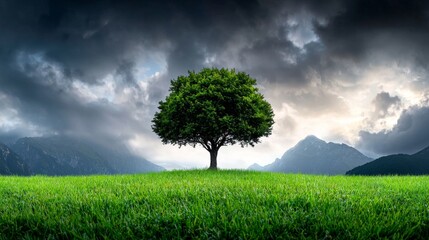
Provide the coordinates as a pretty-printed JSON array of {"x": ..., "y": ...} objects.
[
  {"x": 314, "y": 156},
  {"x": 11, "y": 163},
  {"x": 256, "y": 167},
  {"x": 398, "y": 164},
  {"x": 69, "y": 156}
]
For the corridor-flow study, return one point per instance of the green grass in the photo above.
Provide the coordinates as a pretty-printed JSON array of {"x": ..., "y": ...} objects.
[{"x": 214, "y": 205}]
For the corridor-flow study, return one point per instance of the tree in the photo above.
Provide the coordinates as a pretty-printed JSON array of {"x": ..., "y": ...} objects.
[{"x": 214, "y": 108}]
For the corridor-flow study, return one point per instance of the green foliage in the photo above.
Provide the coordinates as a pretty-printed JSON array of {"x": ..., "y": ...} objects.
[
  {"x": 214, "y": 205},
  {"x": 214, "y": 107}
]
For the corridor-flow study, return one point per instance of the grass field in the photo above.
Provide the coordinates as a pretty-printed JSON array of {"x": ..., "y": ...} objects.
[{"x": 214, "y": 205}]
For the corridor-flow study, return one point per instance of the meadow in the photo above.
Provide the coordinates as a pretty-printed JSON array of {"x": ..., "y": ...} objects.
[{"x": 227, "y": 204}]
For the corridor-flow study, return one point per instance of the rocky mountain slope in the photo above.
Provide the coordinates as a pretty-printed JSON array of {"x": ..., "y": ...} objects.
[
  {"x": 68, "y": 156},
  {"x": 315, "y": 156},
  {"x": 11, "y": 163}
]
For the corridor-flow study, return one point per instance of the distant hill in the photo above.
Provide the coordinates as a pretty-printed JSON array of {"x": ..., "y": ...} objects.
[
  {"x": 256, "y": 167},
  {"x": 398, "y": 164},
  {"x": 315, "y": 156},
  {"x": 11, "y": 163},
  {"x": 68, "y": 156}
]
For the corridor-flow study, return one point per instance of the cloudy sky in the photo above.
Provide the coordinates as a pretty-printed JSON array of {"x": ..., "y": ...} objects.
[{"x": 346, "y": 71}]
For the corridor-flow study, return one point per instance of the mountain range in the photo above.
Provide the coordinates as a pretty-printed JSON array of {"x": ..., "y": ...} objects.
[
  {"x": 315, "y": 156},
  {"x": 11, "y": 163},
  {"x": 59, "y": 155},
  {"x": 397, "y": 164}
]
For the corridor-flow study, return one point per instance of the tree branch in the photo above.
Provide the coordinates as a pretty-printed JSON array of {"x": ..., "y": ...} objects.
[
  {"x": 205, "y": 145},
  {"x": 222, "y": 141}
]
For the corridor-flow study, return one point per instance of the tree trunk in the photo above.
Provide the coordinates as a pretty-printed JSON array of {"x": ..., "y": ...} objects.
[{"x": 213, "y": 159}]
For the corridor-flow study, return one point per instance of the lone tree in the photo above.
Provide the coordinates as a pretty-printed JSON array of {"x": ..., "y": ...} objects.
[{"x": 214, "y": 108}]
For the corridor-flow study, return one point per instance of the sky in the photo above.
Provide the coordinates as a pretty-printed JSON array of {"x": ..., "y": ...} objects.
[{"x": 354, "y": 72}]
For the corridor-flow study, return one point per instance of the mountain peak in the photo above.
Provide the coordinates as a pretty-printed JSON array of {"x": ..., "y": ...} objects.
[
  {"x": 256, "y": 167},
  {"x": 310, "y": 140},
  {"x": 315, "y": 156}
]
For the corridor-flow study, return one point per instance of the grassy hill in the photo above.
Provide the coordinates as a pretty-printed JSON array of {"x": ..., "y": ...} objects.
[{"x": 214, "y": 205}]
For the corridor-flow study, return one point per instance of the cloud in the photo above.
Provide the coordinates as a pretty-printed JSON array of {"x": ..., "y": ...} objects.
[
  {"x": 384, "y": 104},
  {"x": 409, "y": 135},
  {"x": 69, "y": 67},
  {"x": 316, "y": 102},
  {"x": 98, "y": 68},
  {"x": 54, "y": 49},
  {"x": 363, "y": 29}
]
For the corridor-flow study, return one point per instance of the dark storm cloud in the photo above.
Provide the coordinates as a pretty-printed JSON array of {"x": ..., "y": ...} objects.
[
  {"x": 48, "y": 46},
  {"x": 91, "y": 38},
  {"x": 384, "y": 106},
  {"x": 56, "y": 111},
  {"x": 270, "y": 56},
  {"x": 410, "y": 134},
  {"x": 125, "y": 73},
  {"x": 383, "y": 102},
  {"x": 396, "y": 28},
  {"x": 369, "y": 32},
  {"x": 60, "y": 30}
]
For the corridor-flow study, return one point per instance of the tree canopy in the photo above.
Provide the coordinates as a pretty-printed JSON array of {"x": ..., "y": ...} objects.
[{"x": 214, "y": 108}]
